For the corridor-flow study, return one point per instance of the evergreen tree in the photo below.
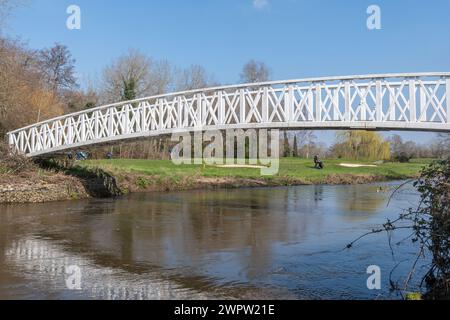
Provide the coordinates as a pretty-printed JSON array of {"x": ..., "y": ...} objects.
[
  {"x": 295, "y": 153},
  {"x": 129, "y": 90},
  {"x": 287, "y": 147}
]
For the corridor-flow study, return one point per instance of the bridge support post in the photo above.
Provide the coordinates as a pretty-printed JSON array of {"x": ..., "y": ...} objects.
[
  {"x": 179, "y": 112},
  {"x": 310, "y": 105},
  {"x": 110, "y": 116},
  {"x": 379, "y": 102},
  {"x": 204, "y": 111},
  {"x": 289, "y": 104},
  {"x": 348, "y": 102},
  {"x": 412, "y": 101},
  {"x": 336, "y": 111},
  {"x": 199, "y": 122},
  {"x": 96, "y": 124},
  {"x": 57, "y": 130},
  {"x": 265, "y": 105},
  {"x": 144, "y": 126},
  {"x": 126, "y": 120},
  {"x": 447, "y": 90},
  {"x": 222, "y": 114},
  {"x": 161, "y": 114},
  {"x": 185, "y": 105},
  {"x": 392, "y": 106},
  {"x": 242, "y": 107},
  {"x": 319, "y": 102},
  {"x": 423, "y": 104},
  {"x": 44, "y": 139},
  {"x": 10, "y": 139},
  {"x": 33, "y": 140},
  {"x": 83, "y": 127}
]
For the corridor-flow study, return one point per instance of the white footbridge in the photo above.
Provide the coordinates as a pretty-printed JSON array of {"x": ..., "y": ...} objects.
[{"x": 413, "y": 101}]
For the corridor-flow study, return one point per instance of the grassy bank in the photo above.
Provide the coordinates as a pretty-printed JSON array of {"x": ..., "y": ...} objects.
[
  {"x": 34, "y": 183},
  {"x": 142, "y": 175}
]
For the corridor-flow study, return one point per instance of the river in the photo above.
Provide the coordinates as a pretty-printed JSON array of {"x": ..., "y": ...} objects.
[{"x": 282, "y": 243}]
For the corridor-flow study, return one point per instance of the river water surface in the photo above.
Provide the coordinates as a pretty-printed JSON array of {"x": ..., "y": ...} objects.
[{"x": 283, "y": 243}]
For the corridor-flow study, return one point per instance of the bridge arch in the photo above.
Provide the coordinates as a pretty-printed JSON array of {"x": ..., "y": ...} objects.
[{"x": 413, "y": 101}]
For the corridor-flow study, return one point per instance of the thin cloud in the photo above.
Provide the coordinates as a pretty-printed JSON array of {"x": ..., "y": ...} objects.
[{"x": 260, "y": 4}]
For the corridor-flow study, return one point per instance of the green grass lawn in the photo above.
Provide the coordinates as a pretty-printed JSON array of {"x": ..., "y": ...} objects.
[{"x": 289, "y": 167}]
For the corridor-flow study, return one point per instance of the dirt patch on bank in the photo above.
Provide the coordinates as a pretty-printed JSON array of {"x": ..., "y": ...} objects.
[
  {"x": 349, "y": 179},
  {"x": 37, "y": 185},
  {"x": 30, "y": 188}
]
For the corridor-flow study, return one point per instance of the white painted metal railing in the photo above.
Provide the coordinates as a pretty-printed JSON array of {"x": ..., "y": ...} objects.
[{"x": 418, "y": 101}]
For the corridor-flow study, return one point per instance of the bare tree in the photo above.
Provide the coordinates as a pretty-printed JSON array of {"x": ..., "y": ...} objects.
[
  {"x": 194, "y": 77},
  {"x": 58, "y": 68},
  {"x": 161, "y": 77},
  {"x": 77, "y": 100},
  {"x": 307, "y": 139},
  {"x": 254, "y": 72},
  {"x": 135, "y": 75},
  {"x": 23, "y": 96},
  {"x": 6, "y": 6}
]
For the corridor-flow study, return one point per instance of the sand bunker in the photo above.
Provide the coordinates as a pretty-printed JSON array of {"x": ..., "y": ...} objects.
[{"x": 352, "y": 165}]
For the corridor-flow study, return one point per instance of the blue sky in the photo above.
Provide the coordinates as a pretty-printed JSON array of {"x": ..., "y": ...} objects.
[{"x": 296, "y": 38}]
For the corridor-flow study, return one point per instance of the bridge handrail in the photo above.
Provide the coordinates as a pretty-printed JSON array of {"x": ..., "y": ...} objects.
[{"x": 241, "y": 86}]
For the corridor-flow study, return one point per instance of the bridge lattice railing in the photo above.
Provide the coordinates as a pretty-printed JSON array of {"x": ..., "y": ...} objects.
[{"x": 396, "y": 101}]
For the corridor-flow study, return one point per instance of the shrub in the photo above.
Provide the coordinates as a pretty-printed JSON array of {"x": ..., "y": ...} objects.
[
  {"x": 12, "y": 162},
  {"x": 403, "y": 158},
  {"x": 142, "y": 183}
]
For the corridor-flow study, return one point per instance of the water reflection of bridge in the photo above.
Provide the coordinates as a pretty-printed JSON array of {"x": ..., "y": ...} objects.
[{"x": 43, "y": 262}]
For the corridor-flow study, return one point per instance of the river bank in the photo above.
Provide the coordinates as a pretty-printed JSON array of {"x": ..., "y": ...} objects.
[
  {"x": 37, "y": 184},
  {"x": 106, "y": 178},
  {"x": 38, "y": 187},
  {"x": 62, "y": 187}
]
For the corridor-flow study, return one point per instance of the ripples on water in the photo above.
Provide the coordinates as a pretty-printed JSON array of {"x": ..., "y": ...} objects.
[{"x": 251, "y": 243}]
